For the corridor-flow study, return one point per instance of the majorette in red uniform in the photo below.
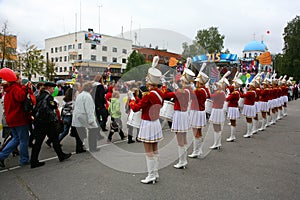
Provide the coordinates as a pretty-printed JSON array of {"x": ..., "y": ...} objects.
[
  {"x": 217, "y": 114},
  {"x": 233, "y": 112},
  {"x": 150, "y": 128},
  {"x": 181, "y": 123},
  {"x": 264, "y": 106},
  {"x": 285, "y": 90},
  {"x": 249, "y": 109},
  {"x": 197, "y": 113}
]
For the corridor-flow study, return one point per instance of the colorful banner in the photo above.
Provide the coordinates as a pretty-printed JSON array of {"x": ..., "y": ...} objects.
[
  {"x": 93, "y": 38},
  {"x": 215, "y": 57}
]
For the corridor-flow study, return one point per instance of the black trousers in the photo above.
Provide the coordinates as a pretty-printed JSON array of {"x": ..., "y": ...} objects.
[
  {"x": 102, "y": 115},
  {"x": 40, "y": 132}
]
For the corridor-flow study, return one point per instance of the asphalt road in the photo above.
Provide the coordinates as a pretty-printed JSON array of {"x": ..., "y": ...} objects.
[{"x": 263, "y": 167}]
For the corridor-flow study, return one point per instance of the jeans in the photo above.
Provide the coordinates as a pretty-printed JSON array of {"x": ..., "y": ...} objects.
[
  {"x": 67, "y": 120},
  {"x": 20, "y": 136}
]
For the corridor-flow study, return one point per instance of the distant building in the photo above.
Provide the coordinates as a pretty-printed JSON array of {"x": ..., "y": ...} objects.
[
  {"x": 163, "y": 54},
  {"x": 88, "y": 52},
  {"x": 10, "y": 45}
]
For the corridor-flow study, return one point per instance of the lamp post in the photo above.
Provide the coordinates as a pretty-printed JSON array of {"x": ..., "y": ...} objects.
[{"x": 99, "y": 6}]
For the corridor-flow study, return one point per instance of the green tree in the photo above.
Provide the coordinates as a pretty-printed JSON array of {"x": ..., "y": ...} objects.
[
  {"x": 6, "y": 45},
  {"x": 289, "y": 62},
  {"x": 33, "y": 61},
  {"x": 206, "y": 41},
  {"x": 49, "y": 71},
  {"x": 135, "y": 59}
]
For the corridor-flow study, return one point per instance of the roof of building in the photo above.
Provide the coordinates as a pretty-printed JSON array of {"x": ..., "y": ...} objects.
[{"x": 255, "y": 46}]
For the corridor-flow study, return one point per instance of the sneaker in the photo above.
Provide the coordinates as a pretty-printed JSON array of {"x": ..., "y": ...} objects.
[{"x": 37, "y": 164}]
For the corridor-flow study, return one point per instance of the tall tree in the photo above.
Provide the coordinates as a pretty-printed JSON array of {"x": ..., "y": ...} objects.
[
  {"x": 49, "y": 71},
  {"x": 33, "y": 61},
  {"x": 6, "y": 45},
  {"x": 135, "y": 59},
  {"x": 206, "y": 41},
  {"x": 289, "y": 62}
]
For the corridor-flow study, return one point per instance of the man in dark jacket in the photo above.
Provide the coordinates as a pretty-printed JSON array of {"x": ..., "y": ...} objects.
[
  {"x": 45, "y": 123},
  {"x": 98, "y": 94}
]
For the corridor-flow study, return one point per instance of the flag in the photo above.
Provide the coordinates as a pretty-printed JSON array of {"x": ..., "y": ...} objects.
[
  {"x": 265, "y": 58},
  {"x": 214, "y": 74},
  {"x": 173, "y": 62}
]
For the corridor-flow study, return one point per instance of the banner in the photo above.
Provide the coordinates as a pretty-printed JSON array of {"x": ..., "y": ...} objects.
[{"x": 93, "y": 38}]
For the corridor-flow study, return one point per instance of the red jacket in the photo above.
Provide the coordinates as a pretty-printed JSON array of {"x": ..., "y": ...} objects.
[
  {"x": 201, "y": 94},
  {"x": 150, "y": 105},
  {"x": 181, "y": 99},
  {"x": 264, "y": 95},
  {"x": 14, "y": 105},
  {"x": 218, "y": 98},
  {"x": 233, "y": 99},
  {"x": 249, "y": 98}
]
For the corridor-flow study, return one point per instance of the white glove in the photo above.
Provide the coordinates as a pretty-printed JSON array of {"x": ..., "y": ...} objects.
[
  {"x": 175, "y": 86},
  {"x": 163, "y": 80},
  {"x": 130, "y": 95},
  {"x": 214, "y": 87}
]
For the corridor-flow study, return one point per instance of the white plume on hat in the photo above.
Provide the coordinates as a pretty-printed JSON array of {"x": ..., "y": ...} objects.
[
  {"x": 224, "y": 80},
  {"x": 237, "y": 82},
  {"x": 188, "y": 75},
  {"x": 154, "y": 74},
  {"x": 202, "y": 77}
]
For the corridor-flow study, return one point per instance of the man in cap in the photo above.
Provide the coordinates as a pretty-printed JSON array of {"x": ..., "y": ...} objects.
[{"x": 45, "y": 122}]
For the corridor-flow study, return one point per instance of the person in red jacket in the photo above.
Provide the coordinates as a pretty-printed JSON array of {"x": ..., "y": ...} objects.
[
  {"x": 217, "y": 114},
  {"x": 198, "y": 114},
  {"x": 150, "y": 129},
  {"x": 17, "y": 119},
  {"x": 249, "y": 109},
  {"x": 233, "y": 112}
]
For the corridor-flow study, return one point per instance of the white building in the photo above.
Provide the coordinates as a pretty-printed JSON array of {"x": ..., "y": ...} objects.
[{"x": 89, "y": 52}]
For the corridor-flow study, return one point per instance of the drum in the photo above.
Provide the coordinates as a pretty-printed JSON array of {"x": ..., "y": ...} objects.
[
  {"x": 167, "y": 111},
  {"x": 241, "y": 103},
  {"x": 225, "y": 106},
  {"x": 208, "y": 105},
  {"x": 134, "y": 119}
]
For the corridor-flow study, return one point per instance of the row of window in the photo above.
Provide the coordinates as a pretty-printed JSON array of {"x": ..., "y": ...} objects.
[
  {"x": 92, "y": 69},
  {"x": 79, "y": 57},
  {"x": 93, "y": 46}
]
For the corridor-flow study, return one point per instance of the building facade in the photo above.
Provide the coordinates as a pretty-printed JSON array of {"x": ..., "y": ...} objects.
[{"x": 89, "y": 53}]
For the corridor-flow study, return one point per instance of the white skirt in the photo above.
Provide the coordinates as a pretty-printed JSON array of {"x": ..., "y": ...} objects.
[
  {"x": 257, "y": 107},
  {"x": 264, "y": 106},
  {"x": 198, "y": 118},
  {"x": 285, "y": 99},
  {"x": 181, "y": 122},
  {"x": 217, "y": 116},
  {"x": 249, "y": 111},
  {"x": 150, "y": 131},
  {"x": 270, "y": 104},
  {"x": 233, "y": 113}
]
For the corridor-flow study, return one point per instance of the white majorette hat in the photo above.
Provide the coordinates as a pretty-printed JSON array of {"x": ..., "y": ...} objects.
[
  {"x": 237, "y": 82},
  {"x": 154, "y": 75},
  {"x": 202, "y": 77},
  {"x": 224, "y": 80},
  {"x": 188, "y": 75}
]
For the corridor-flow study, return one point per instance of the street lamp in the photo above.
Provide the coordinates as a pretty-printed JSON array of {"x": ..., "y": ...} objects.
[{"x": 99, "y": 6}]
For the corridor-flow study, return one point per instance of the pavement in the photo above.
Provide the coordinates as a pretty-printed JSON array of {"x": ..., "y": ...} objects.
[{"x": 263, "y": 167}]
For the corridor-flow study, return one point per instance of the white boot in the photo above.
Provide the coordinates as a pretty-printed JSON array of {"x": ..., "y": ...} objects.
[
  {"x": 214, "y": 146},
  {"x": 272, "y": 119},
  {"x": 284, "y": 109},
  {"x": 150, "y": 166},
  {"x": 263, "y": 125},
  {"x": 181, "y": 160},
  {"x": 254, "y": 125},
  {"x": 249, "y": 128},
  {"x": 156, "y": 163},
  {"x": 219, "y": 139},
  {"x": 279, "y": 114},
  {"x": 197, "y": 151},
  {"x": 232, "y": 134},
  {"x": 268, "y": 121}
]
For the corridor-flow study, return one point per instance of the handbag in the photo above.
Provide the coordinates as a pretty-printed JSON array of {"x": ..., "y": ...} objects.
[{"x": 28, "y": 104}]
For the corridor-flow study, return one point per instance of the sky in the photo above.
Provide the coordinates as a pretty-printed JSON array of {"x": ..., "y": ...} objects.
[{"x": 239, "y": 21}]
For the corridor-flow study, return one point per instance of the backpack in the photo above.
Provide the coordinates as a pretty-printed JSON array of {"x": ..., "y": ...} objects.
[{"x": 42, "y": 112}]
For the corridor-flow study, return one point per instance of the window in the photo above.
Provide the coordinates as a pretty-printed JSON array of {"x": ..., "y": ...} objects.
[
  {"x": 150, "y": 57},
  {"x": 79, "y": 57},
  {"x": 79, "y": 45},
  {"x": 60, "y": 49},
  {"x": 56, "y": 59},
  {"x": 60, "y": 69},
  {"x": 51, "y": 50},
  {"x": 69, "y": 46},
  {"x": 65, "y": 69},
  {"x": 73, "y": 46},
  {"x": 93, "y": 46},
  {"x": 52, "y": 59},
  {"x": 70, "y": 69},
  {"x": 114, "y": 49},
  {"x": 93, "y": 57},
  {"x": 56, "y": 49},
  {"x": 104, "y": 59},
  {"x": 65, "y": 48},
  {"x": 104, "y": 48},
  {"x": 56, "y": 69},
  {"x": 114, "y": 59},
  {"x": 60, "y": 59},
  {"x": 65, "y": 58},
  {"x": 124, "y": 60},
  {"x": 124, "y": 51},
  {"x": 250, "y": 55}
]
